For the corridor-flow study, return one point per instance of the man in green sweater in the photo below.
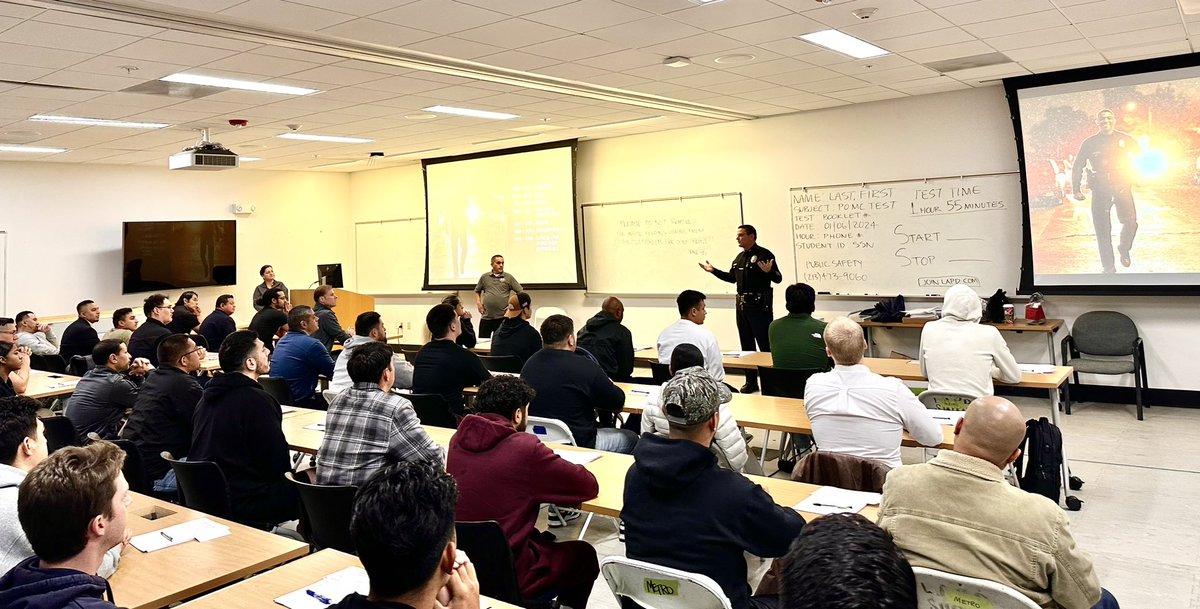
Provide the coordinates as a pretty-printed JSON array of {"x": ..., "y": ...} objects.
[{"x": 796, "y": 340}]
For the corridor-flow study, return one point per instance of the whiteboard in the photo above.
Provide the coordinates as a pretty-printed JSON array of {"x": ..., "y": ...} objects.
[
  {"x": 390, "y": 256},
  {"x": 911, "y": 237},
  {"x": 654, "y": 246}
]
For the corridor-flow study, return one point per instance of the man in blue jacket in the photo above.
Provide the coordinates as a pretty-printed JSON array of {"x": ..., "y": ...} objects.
[
  {"x": 684, "y": 512},
  {"x": 299, "y": 359}
]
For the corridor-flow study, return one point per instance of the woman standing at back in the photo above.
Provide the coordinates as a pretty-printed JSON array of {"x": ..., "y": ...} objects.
[{"x": 267, "y": 272}]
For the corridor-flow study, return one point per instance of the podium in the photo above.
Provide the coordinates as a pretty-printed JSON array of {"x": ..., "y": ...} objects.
[{"x": 350, "y": 305}]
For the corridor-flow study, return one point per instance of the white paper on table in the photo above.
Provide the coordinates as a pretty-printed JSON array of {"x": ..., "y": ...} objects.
[
  {"x": 287, "y": 409},
  {"x": 946, "y": 417},
  {"x": 577, "y": 457},
  {"x": 642, "y": 347},
  {"x": 332, "y": 589},
  {"x": 316, "y": 427},
  {"x": 201, "y": 529},
  {"x": 484, "y": 341},
  {"x": 833, "y": 500},
  {"x": 1036, "y": 368},
  {"x": 736, "y": 353},
  {"x": 653, "y": 394}
]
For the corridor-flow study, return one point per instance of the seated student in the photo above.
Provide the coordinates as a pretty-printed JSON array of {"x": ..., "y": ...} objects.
[
  {"x": 572, "y": 388},
  {"x": 124, "y": 323},
  {"x": 219, "y": 323},
  {"x": 73, "y": 510},
  {"x": 80, "y": 337},
  {"x": 956, "y": 513},
  {"x": 443, "y": 367},
  {"x": 162, "y": 414},
  {"x": 22, "y": 447},
  {"x": 329, "y": 329},
  {"x": 144, "y": 340},
  {"x": 515, "y": 336},
  {"x": 271, "y": 321},
  {"x": 604, "y": 337},
  {"x": 38, "y": 338},
  {"x": 368, "y": 328},
  {"x": 683, "y": 511},
  {"x": 467, "y": 337},
  {"x": 729, "y": 445},
  {"x": 238, "y": 427},
  {"x": 103, "y": 395},
  {"x": 185, "y": 318},
  {"x": 14, "y": 362},
  {"x": 368, "y": 427},
  {"x": 857, "y": 412},
  {"x": 797, "y": 339},
  {"x": 692, "y": 313},
  {"x": 403, "y": 529},
  {"x": 959, "y": 354},
  {"x": 504, "y": 474},
  {"x": 300, "y": 359},
  {"x": 844, "y": 561}
]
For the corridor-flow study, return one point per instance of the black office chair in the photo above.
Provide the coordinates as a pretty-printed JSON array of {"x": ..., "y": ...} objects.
[
  {"x": 787, "y": 383},
  {"x": 278, "y": 388},
  {"x": 48, "y": 363},
  {"x": 325, "y": 512},
  {"x": 501, "y": 363},
  {"x": 410, "y": 355},
  {"x": 660, "y": 372},
  {"x": 60, "y": 432},
  {"x": 433, "y": 409},
  {"x": 134, "y": 470},
  {"x": 202, "y": 486},
  {"x": 485, "y": 543},
  {"x": 79, "y": 365}
]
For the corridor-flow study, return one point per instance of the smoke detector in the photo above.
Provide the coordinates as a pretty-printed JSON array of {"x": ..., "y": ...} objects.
[{"x": 864, "y": 13}]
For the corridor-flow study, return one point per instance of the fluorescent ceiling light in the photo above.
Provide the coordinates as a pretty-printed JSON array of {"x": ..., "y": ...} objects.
[
  {"x": 94, "y": 122},
  {"x": 500, "y": 116},
  {"x": 844, "y": 44},
  {"x": 623, "y": 124},
  {"x": 31, "y": 149},
  {"x": 337, "y": 139},
  {"x": 230, "y": 83},
  {"x": 249, "y": 159}
]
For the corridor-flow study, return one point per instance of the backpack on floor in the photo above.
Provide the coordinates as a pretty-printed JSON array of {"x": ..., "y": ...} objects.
[{"x": 1039, "y": 468}]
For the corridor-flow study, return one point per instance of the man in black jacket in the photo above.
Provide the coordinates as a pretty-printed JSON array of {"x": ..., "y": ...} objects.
[
  {"x": 443, "y": 367},
  {"x": 103, "y": 395},
  {"x": 237, "y": 426},
  {"x": 515, "y": 336},
  {"x": 683, "y": 511},
  {"x": 219, "y": 323},
  {"x": 144, "y": 342},
  {"x": 572, "y": 388},
  {"x": 162, "y": 415},
  {"x": 80, "y": 337},
  {"x": 270, "y": 322},
  {"x": 604, "y": 337}
]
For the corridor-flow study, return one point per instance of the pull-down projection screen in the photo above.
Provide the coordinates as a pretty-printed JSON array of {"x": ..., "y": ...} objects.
[{"x": 519, "y": 203}]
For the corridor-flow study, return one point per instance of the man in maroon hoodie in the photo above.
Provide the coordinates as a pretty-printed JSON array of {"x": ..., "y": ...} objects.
[{"x": 504, "y": 474}]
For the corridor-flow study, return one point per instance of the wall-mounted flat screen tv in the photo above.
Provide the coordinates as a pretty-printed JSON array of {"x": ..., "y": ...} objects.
[{"x": 161, "y": 256}]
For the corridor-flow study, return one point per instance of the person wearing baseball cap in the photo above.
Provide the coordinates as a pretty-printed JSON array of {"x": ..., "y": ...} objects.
[
  {"x": 676, "y": 491},
  {"x": 515, "y": 336}
]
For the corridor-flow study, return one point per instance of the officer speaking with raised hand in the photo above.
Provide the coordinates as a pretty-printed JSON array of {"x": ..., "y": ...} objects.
[{"x": 754, "y": 270}]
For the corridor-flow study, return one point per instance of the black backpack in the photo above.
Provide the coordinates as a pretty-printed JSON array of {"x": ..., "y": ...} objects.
[{"x": 1042, "y": 474}]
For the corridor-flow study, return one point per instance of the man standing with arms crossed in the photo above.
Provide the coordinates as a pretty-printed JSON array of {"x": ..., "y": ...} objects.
[
  {"x": 753, "y": 270},
  {"x": 491, "y": 296},
  {"x": 1109, "y": 159}
]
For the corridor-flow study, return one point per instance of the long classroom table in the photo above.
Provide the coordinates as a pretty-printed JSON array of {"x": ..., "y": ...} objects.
[
  {"x": 609, "y": 469},
  {"x": 260, "y": 591},
  {"x": 158, "y": 579},
  {"x": 44, "y": 384},
  {"x": 1020, "y": 326}
]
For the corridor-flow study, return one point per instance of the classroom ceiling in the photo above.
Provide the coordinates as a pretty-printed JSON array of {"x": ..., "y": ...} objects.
[{"x": 568, "y": 68}]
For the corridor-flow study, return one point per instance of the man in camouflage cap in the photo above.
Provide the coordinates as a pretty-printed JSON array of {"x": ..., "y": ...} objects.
[{"x": 683, "y": 511}]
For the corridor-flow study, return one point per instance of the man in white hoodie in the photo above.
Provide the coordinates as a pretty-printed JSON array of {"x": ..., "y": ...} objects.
[
  {"x": 368, "y": 328},
  {"x": 22, "y": 447},
  {"x": 959, "y": 354}
]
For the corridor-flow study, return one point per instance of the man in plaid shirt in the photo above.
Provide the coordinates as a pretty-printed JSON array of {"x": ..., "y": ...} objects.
[{"x": 368, "y": 427}]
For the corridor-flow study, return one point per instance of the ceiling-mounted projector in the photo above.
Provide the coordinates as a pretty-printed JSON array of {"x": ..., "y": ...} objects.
[{"x": 204, "y": 156}]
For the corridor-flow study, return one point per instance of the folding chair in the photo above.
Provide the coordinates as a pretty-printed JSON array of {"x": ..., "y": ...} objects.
[
  {"x": 656, "y": 587},
  {"x": 555, "y": 431},
  {"x": 946, "y": 400},
  {"x": 937, "y": 588}
]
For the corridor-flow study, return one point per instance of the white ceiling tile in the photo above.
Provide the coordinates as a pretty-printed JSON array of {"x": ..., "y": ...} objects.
[
  {"x": 361, "y": 8},
  {"x": 800, "y": 77},
  {"x": 729, "y": 14},
  {"x": 788, "y": 47},
  {"x": 623, "y": 60},
  {"x": 840, "y": 14},
  {"x": 943, "y": 3},
  {"x": 614, "y": 79},
  {"x": 402, "y": 84},
  {"x": 206, "y": 6},
  {"x": 929, "y": 85},
  {"x": 869, "y": 93},
  {"x": 645, "y": 32},
  {"x": 7, "y": 22},
  {"x": 98, "y": 23},
  {"x": 925, "y": 40},
  {"x": 588, "y": 15},
  {"x": 659, "y": 7},
  {"x": 1104, "y": 9},
  {"x": 456, "y": 48},
  {"x": 1126, "y": 23},
  {"x": 986, "y": 10},
  {"x": 1058, "y": 49},
  {"x": 263, "y": 65},
  {"x": 378, "y": 32},
  {"x": 146, "y": 70},
  {"x": 50, "y": 93},
  {"x": 903, "y": 25},
  {"x": 874, "y": 64},
  {"x": 171, "y": 115},
  {"x": 1165, "y": 49},
  {"x": 356, "y": 94},
  {"x": 19, "y": 11},
  {"x": 25, "y": 55},
  {"x": 1021, "y": 40},
  {"x": 297, "y": 54},
  {"x": 704, "y": 79},
  {"x": 950, "y": 51},
  {"x": 759, "y": 55},
  {"x": 1015, "y": 25},
  {"x": 767, "y": 68},
  {"x": 281, "y": 14},
  {"x": 701, "y": 44},
  {"x": 572, "y": 48},
  {"x": 370, "y": 66},
  {"x": 440, "y": 16},
  {"x": 37, "y": 33},
  {"x": 170, "y": 52},
  {"x": 513, "y": 33},
  {"x": 1065, "y": 62},
  {"x": 895, "y": 75},
  {"x": 134, "y": 102},
  {"x": 459, "y": 93},
  {"x": 832, "y": 85},
  {"x": 741, "y": 86},
  {"x": 336, "y": 75},
  {"x": 18, "y": 73},
  {"x": 998, "y": 71},
  {"x": 86, "y": 80},
  {"x": 657, "y": 87},
  {"x": 1124, "y": 40},
  {"x": 517, "y": 60},
  {"x": 572, "y": 71},
  {"x": 207, "y": 40},
  {"x": 524, "y": 7},
  {"x": 772, "y": 29}
]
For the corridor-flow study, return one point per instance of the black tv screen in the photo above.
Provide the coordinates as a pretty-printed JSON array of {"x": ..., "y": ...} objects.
[
  {"x": 1110, "y": 165},
  {"x": 161, "y": 256}
]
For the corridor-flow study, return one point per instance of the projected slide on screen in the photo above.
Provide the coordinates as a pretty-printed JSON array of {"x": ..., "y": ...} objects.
[
  {"x": 519, "y": 203},
  {"x": 1112, "y": 168}
]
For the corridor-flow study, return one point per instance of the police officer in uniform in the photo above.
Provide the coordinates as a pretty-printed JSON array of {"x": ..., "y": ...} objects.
[
  {"x": 753, "y": 271},
  {"x": 1108, "y": 156}
]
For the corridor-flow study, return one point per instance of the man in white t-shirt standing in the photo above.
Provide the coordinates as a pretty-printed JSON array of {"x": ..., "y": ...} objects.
[{"x": 689, "y": 329}]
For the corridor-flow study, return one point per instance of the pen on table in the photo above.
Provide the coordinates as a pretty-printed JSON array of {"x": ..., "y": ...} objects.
[
  {"x": 830, "y": 505},
  {"x": 639, "y": 391},
  {"x": 324, "y": 600},
  {"x": 164, "y": 534}
]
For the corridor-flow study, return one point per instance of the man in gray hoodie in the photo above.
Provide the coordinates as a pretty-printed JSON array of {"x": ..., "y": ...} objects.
[
  {"x": 959, "y": 354},
  {"x": 22, "y": 447}
]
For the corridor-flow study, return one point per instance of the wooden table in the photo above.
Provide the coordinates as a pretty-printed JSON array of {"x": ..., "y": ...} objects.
[
  {"x": 44, "y": 384},
  {"x": 1020, "y": 326},
  {"x": 170, "y": 575},
  {"x": 260, "y": 592},
  {"x": 609, "y": 469}
]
